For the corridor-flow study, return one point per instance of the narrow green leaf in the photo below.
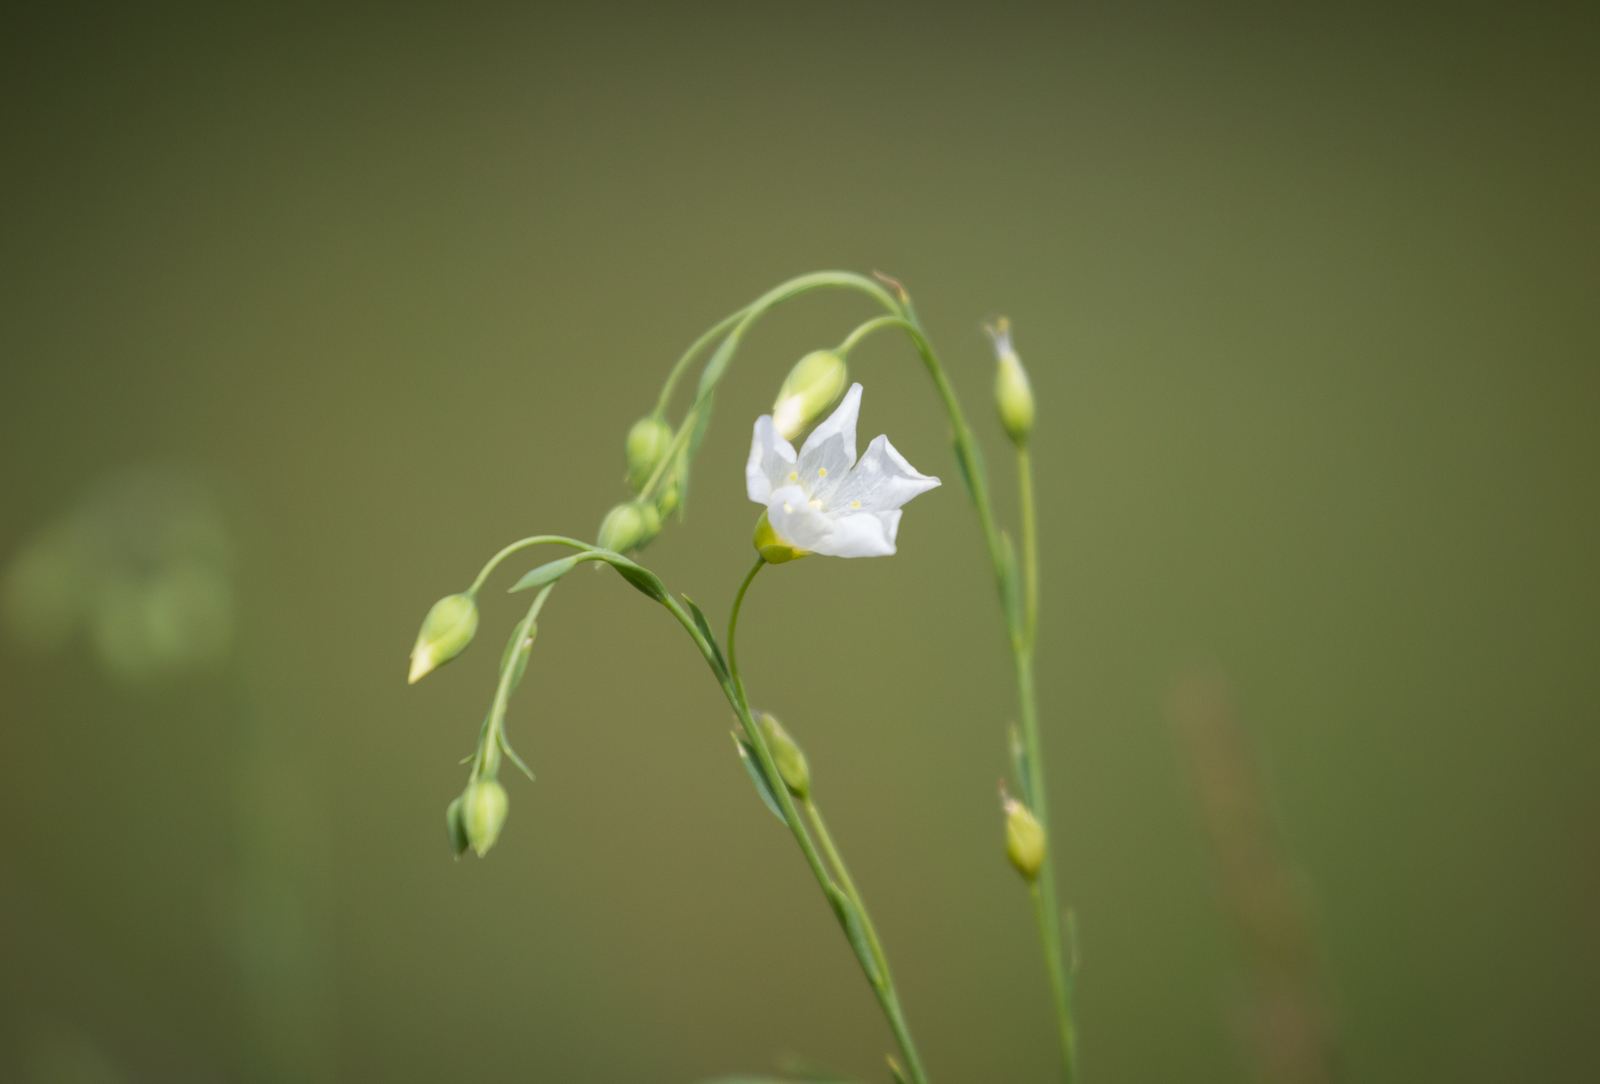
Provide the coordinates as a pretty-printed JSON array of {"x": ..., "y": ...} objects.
[
  {"x": 505, "y": 747},
  {"x": 855, "y": 933},
  {"x": 971, "y": 469},
  {"x": 704, "y": 626},
  {"x": 549, "y": 573},
  {"x": 752, "y": 764},
  {"x": 895, "y": 1071},
  {"x": 641, "y": 577},
  {"x": 518, "y": 648}
]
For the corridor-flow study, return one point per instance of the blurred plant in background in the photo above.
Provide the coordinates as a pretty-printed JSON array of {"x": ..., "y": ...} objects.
[
  {"x": 1284, "y": 1018},
  {"x": 144, "y": 572}
]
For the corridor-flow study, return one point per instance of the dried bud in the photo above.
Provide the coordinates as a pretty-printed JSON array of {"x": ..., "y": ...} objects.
[
  {"x": 811, "y": 388},
  {"x": 786, "y": 755},
  {"x": 770, "y": 546},
  {"x": 1024, "y": 839},
  {"x": 483, "y": 813},
  {"x": 629, "y": 526},
  {"x": 446, "y": 632},
  {"x": 1012, "y": 392},
  {"x": 455, "y": 823},
  {"x": 648, "y": 442}
]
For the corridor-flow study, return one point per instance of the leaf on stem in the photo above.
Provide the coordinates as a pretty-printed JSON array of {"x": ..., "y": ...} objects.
[
  {"x": 752, "y": 764},
  {"x": 505, "y": 747},
  {"x": 641, "y": 577},
  {"x": 855, "y": 933},
  {"x": 518, "y": 648},
  {"x": 549, "y": 573},
  {"x": 895, "y": 1071},
  {"x": 704, "y": 626},
  {"x": 971, "y": 469}
]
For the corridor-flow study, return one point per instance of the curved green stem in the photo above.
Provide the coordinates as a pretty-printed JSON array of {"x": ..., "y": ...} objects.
[
  {"x": 689, "y": 355},
  {"x": 877, "y": 323},
  {"x": 740, "y": 323},
  {"x": 522, "y": 544},
  {"x": 733, "y": 628}
]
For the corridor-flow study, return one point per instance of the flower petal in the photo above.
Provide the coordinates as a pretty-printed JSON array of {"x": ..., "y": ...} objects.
[
  {"x": 795, "y": 521},
  {"x": 841, "y": 422},
  {"x": 881, "y": 481},
  {"x": 771, "y": 461},
  {"x": 869, "y": 534}
]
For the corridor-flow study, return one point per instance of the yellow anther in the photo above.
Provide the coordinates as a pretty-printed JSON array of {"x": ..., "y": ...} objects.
[
  {"x": 793, "y": 476},
  {"x": 822, "y": 472}
]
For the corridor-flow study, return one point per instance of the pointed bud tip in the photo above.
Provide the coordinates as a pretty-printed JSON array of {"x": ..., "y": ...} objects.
[
  {"x": 809, "y": 391},
  {"x": 445, "y": 633}
]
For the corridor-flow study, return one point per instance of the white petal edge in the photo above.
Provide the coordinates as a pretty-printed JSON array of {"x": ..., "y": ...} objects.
[
  {"x": 841, "y": 421},
  {"x": 867, "y": 534},
  {"x": 771, "y": 459}
]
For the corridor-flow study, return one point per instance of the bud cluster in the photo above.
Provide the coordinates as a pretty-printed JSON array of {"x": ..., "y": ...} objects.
[{"x": 475, "y": 818}]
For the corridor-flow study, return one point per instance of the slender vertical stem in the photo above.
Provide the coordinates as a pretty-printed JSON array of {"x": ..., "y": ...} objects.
[
  {"x": 1030, "y": 548},
  {"x": 1021, "y": 639},
  {"x": 841, "y": 871},
  {"x": 733, "y": 628},
  {"x": 882, "y": 983}
]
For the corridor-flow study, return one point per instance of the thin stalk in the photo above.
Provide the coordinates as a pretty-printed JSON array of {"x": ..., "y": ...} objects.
[
  {"x": 1030, "y": 548},
  {"x": 843, "y": 873},
  {"x": 522, "y": 544},
  {"x": 1021, "y": 639},
  {"x": 486, "y": 765},
  {"x": 698, "y": 345},
  {"x": 733, "y": 686},
  {"x": 741, "y": 323}
]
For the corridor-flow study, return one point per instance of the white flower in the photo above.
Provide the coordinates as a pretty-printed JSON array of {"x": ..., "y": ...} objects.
[{"x": 824, "y": 500}]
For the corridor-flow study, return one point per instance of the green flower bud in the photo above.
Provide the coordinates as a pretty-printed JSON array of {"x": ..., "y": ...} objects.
[
  {"x": 455, "y": 823},
  {"x": 648, "y": 442},
  {"x": 446, "y": 632},
  {"x": 771, "y": 547},
  {"x": 786, "y": 755},
  {"x": 811, "y": 388},
  {"x": 629, "y": 526},
  {"x": 1024, "y": 839},
  {"x": 483, "y": 813},
  {"x": 1012, "y": 392}
]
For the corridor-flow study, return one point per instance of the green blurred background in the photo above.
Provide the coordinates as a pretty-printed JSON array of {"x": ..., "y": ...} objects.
[{"x": 321, "y": 307}]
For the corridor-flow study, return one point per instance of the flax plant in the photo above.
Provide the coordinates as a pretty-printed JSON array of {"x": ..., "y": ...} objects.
[{"x": 822, "y": 500}]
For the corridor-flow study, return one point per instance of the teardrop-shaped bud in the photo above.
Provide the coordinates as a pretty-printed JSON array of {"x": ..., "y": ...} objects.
[
  {"x": 483, "y": 813},
  {"x": 648, "y": 442},
  {"x": 1024, "y": 839},
  {"x": 629, "y": 526},
  {"x": 811, "y": 388},
  {"x": 1013, "y": 394},
  {"x": 786, "y": 754},
  {"x": 446, "y": 632},
  {"x": 456, "y": 825}
]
